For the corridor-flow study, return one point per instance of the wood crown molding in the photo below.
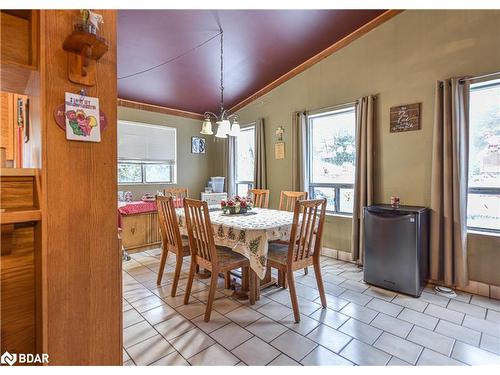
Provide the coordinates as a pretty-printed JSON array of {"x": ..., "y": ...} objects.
[
  {"x": 159, "y": 109},
  {"x": 387, "y": 15}
]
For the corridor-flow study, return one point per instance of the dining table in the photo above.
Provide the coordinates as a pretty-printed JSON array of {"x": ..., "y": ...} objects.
[{"x": 247, "y": 234}]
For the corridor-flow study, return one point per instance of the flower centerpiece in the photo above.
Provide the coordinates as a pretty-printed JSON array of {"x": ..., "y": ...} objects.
[{"x": 237, "y": 205}]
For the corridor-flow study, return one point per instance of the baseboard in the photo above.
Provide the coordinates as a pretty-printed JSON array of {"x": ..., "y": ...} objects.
[
  {"x": 474, "y": 287},
  {"x": 337, "y": 254}
]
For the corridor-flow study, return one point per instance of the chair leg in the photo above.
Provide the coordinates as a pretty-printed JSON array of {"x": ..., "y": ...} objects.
[
  {"x": 293, "y": 295},
  {"x": 319, "y": 281},
  {"x": 211, "y": 295},
  {"x": 284, "y": 283},
  {"x": 197, "y": 268},
  {"x": 177, "y": 274},
  {"x": 306, "y": 271},
  {"x": 189, "y": 284},
  {"x": 227, "y": 280},
  {"x": 163, "y": 261},
  {"x": 282, "y": 279}
]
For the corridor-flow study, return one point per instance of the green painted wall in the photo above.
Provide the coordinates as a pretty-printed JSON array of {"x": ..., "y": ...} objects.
[
  {"x": 193, "y": 170},
  {"x": 400, "y": 61}
]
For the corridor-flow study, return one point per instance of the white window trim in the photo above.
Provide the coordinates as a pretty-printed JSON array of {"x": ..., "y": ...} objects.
[
  {"x": 236, "y": 182},
  {"x": 311, "y": 116},
  {"x": 475, "y": 190}
]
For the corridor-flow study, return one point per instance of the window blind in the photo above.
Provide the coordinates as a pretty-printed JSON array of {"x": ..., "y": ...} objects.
[{"x": 145, "y": 142}]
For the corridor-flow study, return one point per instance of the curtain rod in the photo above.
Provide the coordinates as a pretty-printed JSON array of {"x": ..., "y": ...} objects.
[
  {"x": 479, "y": 77},
  {"x": 333, "y": 107}
]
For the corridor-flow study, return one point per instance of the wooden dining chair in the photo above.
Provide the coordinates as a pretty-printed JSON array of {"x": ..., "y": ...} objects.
[
  {"x": 288, "y": 199},
  {"x": 172, "y": 241},
  {"x": 303, "y": 249},
  {"x": 178, "y": 194},
  {"x": 287, "y": 203},
  {"x": 260, "y": 197},
  {"x": 204, "y": 252}
]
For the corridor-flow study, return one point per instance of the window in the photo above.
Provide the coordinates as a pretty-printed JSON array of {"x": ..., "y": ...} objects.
[
  {"x": 146, "y": 153},
  {"x": 332, "y": 158},
  {"x": 483, "y": 207},
  {"x": 244, "y": 160}
]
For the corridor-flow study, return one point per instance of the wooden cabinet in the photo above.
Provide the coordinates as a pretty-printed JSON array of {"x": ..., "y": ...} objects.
[
  {"x": 19, "y": 36},
  {"x": 140, "y": 231},
  {"x": 13, "y": 122},
  {"x": 7, "y": 124},
  {"x": 20, "y": 262}
]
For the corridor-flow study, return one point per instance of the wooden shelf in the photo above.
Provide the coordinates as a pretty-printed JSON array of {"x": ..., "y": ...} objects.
[
  {"x": 20, "y": 216},
  {"x": 81, "y": 40},
  {"x": 18, "y": 172}
]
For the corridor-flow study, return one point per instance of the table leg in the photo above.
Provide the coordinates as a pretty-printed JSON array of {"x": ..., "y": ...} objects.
[{"x": 253, "y": 286}]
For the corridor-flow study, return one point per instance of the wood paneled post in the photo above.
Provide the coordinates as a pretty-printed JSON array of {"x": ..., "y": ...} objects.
[{"x": 81, "y": 260}]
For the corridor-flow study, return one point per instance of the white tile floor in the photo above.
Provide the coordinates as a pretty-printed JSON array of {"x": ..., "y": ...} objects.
[{"x": 362, "y": 325}]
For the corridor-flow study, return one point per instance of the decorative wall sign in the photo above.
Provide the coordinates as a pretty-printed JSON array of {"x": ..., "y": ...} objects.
[
  {"x": 198, "y": 145},
  {"x": 405, "y": 118},
  {"x": 82, "y": 118},
  {"x": 279, "y": 150}
]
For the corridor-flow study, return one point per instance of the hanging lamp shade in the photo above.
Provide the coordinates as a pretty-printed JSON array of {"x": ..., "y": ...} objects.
[
  {"x": 235, "y": 129},
  {"x": 226, "y": 126},
  {"x": 220, "y": 130},
  {"x": 206, "y": 127}
]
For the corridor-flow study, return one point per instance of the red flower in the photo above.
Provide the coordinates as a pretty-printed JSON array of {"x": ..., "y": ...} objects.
[
  {"x": 243, "y": 204},
  {"x": 230, "y": 203},
  {"x": 223, "y": 203}
]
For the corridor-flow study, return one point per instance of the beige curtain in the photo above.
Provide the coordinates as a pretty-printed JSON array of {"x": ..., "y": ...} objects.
[
  {"x": 260, "y": 173},
  {"x": 300, "y": 174},
  {"x": 228, "y": 165},
  {"x": 448, "y": 232},
  {"x": 363, "y": 183}
]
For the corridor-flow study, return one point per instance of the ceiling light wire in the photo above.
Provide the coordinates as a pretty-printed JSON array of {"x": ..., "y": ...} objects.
[{"x": 173, "y": 58}]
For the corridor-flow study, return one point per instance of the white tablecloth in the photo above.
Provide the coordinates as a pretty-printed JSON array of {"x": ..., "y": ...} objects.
[{"x": 248, "y": 234}]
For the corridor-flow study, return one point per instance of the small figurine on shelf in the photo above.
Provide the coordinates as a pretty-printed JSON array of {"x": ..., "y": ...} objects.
[{"x": 88, "y": 21}]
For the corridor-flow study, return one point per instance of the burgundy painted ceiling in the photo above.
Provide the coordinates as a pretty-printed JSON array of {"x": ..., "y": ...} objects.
[{"x": 259, "y": 47}]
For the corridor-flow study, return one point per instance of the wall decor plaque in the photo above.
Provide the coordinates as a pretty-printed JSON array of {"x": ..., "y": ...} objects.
[
  {"x": 279, "y": 150},
  {"x": 198, "y": 145},
  {"x": 405, "y": 118}
]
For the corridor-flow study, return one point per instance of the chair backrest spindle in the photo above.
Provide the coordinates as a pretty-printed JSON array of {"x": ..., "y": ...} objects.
[
  {"x": 307, "y": 229},
  {"x": 200, "y": 231},
  {"x": 288, "y": 199},
  {"x": 169, "y": 226},
  {"x": 260, "y": 197}
]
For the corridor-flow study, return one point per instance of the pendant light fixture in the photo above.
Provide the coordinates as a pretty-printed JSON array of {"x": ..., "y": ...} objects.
[{"x": 224, "y": 127}]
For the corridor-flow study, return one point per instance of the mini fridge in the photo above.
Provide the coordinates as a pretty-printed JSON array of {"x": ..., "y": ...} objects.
[{"x": 396, "y": 247}]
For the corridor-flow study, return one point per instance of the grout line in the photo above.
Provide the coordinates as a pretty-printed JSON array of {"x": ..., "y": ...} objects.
[{"x": 270, "y": 297}]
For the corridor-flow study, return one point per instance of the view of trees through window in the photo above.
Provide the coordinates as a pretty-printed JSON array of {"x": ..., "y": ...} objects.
[
  {"x": 483, "y": 208},
  {"x": 244, "y": 160},
  {"x": 332, "y": 158},
  {"x": 147, "y": 173}
]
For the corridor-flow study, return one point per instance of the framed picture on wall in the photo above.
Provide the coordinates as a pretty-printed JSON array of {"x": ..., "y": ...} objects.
[{"x": 198, "y": 145}]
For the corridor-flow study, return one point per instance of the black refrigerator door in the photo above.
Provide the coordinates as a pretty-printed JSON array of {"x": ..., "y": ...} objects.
[{"x": 391, "y": 250}]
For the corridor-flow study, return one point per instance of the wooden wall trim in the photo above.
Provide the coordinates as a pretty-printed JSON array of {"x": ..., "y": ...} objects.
[
  {"x": 320, "y": 56},
  {"x": 159, "y": 109}
]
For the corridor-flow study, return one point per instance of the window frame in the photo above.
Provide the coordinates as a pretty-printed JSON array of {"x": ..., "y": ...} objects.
[
  {"x": 335, "y": 186},
  {"x": 480, "y": 190},
  {"x": 237, "y": 182}
]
